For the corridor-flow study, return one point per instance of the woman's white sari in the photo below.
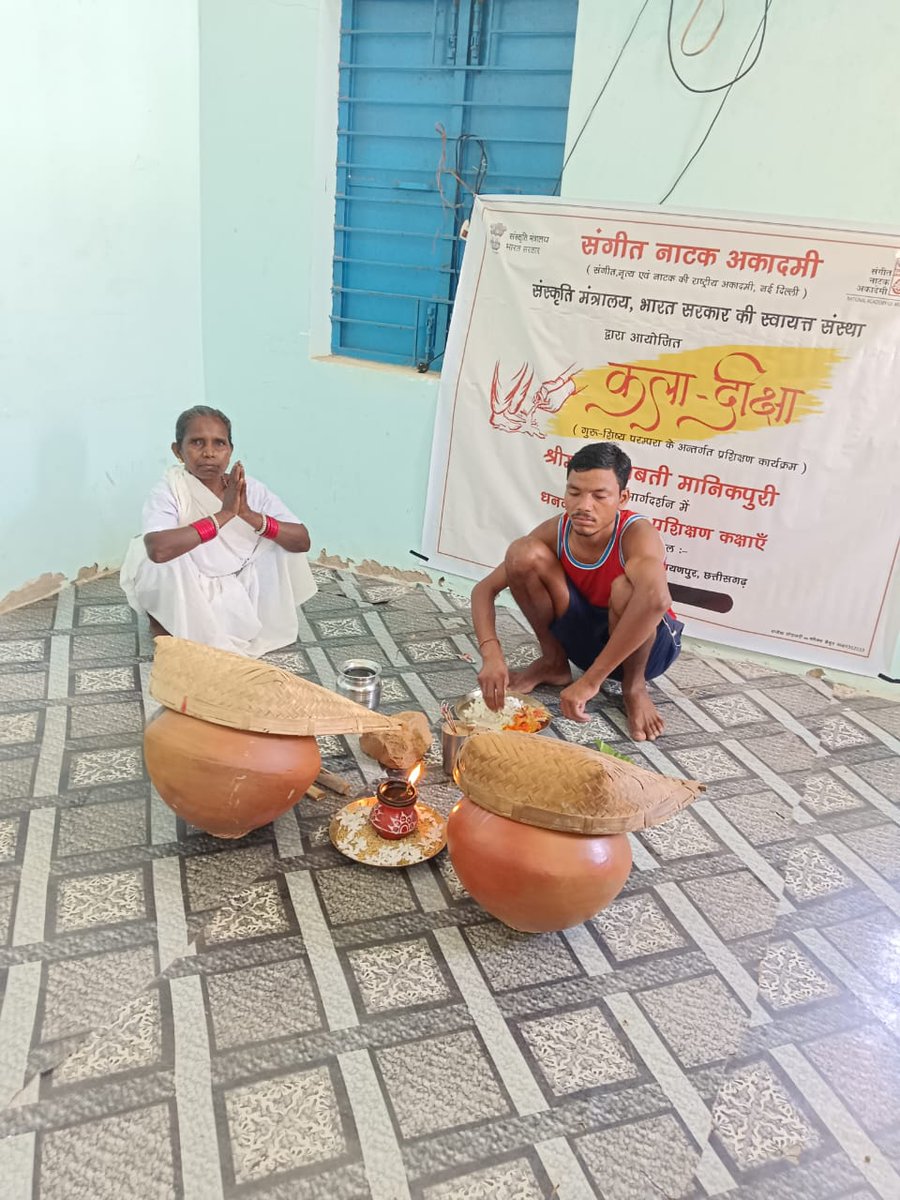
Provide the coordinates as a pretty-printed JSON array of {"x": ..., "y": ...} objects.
[{"x": 239, "y": 592}]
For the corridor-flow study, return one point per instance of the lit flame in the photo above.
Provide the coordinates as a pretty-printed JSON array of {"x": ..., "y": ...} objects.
[{"x": 414, "y": 774}]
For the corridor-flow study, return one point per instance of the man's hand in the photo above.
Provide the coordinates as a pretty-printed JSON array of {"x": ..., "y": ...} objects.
[
  {"x": 573, "y": 699},
  {"x": 493, "y": 678}
]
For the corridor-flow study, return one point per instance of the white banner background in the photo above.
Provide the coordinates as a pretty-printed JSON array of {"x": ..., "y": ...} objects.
[{"x": 751, "y": 357}]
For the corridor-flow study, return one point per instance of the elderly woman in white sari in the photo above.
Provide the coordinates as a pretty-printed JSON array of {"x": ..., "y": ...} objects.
[{"x": 222, "y": 560}]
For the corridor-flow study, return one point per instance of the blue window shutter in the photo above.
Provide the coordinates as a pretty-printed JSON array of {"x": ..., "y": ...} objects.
[{"x": 494, "y": 75}]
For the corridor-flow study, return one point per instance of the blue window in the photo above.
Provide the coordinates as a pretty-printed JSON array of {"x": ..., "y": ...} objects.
[{"x": 439, "y": 99}]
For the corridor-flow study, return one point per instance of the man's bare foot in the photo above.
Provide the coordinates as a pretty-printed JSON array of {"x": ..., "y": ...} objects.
[
  {"x": 156, "y": 630},
  {"x": 644, "y": 722},
  {"x": 542, "y": 670}
]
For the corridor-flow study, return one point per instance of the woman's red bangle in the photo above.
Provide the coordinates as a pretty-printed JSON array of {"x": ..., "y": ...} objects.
[
  {"x": 206, "y": 527},
  {"x": 271, "y": 529}
]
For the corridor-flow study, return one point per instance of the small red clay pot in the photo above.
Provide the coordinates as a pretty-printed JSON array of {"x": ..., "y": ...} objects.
[
  {"x": 394, "y": 815},
  {"x": 535, "y": 880},
  {"x": 226, "y": 781}
]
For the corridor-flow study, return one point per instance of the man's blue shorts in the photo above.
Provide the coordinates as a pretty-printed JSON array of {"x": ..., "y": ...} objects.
[{"x": 583, "y": 631}]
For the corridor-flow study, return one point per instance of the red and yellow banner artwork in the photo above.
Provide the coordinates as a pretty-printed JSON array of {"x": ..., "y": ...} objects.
[{"x": 749, "y": 369}]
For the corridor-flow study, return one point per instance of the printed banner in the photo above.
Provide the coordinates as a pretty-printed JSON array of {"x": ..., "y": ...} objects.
[{"x": 751, "y": 370}]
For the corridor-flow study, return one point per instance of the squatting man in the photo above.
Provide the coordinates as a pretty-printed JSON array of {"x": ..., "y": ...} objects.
[{"x": 592, "y": 584}]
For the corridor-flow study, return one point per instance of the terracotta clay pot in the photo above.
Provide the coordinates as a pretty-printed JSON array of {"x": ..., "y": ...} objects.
[
  {"x": 535, "y": 880},
  {"x": 394, "y": 815},
  {"x": 226, "y": 781}
]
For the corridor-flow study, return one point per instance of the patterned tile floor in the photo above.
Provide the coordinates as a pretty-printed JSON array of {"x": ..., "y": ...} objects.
[{"x": 265, "y": 1019}]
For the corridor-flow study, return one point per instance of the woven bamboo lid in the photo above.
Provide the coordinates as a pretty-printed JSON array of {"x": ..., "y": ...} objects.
[
  {"x": 560, "y": 785},
  {"x": 244, "y": 693}
]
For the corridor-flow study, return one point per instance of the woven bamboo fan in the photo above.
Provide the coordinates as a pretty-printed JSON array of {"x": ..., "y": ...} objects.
[
  {"x": 559, "y": 785},
  {"x": 243, "y": 693}
]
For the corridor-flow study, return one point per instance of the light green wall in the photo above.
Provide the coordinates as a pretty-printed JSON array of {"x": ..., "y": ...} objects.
[
  {"x": 99, "y": 269},
  {"x": 808, "y": 133},
  {"x": 346, "y": 445}
]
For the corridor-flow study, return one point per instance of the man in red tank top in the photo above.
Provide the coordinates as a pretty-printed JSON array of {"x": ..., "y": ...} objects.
[{"x": 592, "y": 584}]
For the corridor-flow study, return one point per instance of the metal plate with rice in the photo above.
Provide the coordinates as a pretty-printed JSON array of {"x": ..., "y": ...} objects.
[{"x": 471, "y": 710}]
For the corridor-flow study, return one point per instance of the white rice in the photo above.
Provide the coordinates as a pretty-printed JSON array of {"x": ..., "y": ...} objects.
[{"x": 476, "y": 712}]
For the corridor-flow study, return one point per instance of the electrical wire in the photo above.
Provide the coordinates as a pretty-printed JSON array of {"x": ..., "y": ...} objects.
[
  {"x": 728, "y": 87},
  {"x": 741, "y": 73},
  {"x": 459, "y": 205},
  {"x": 712, "y": 37},
  {"x": 612, "y": 71},
  {"x": 456, "y": 172},
  {"x": 461, "y": 146}
]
